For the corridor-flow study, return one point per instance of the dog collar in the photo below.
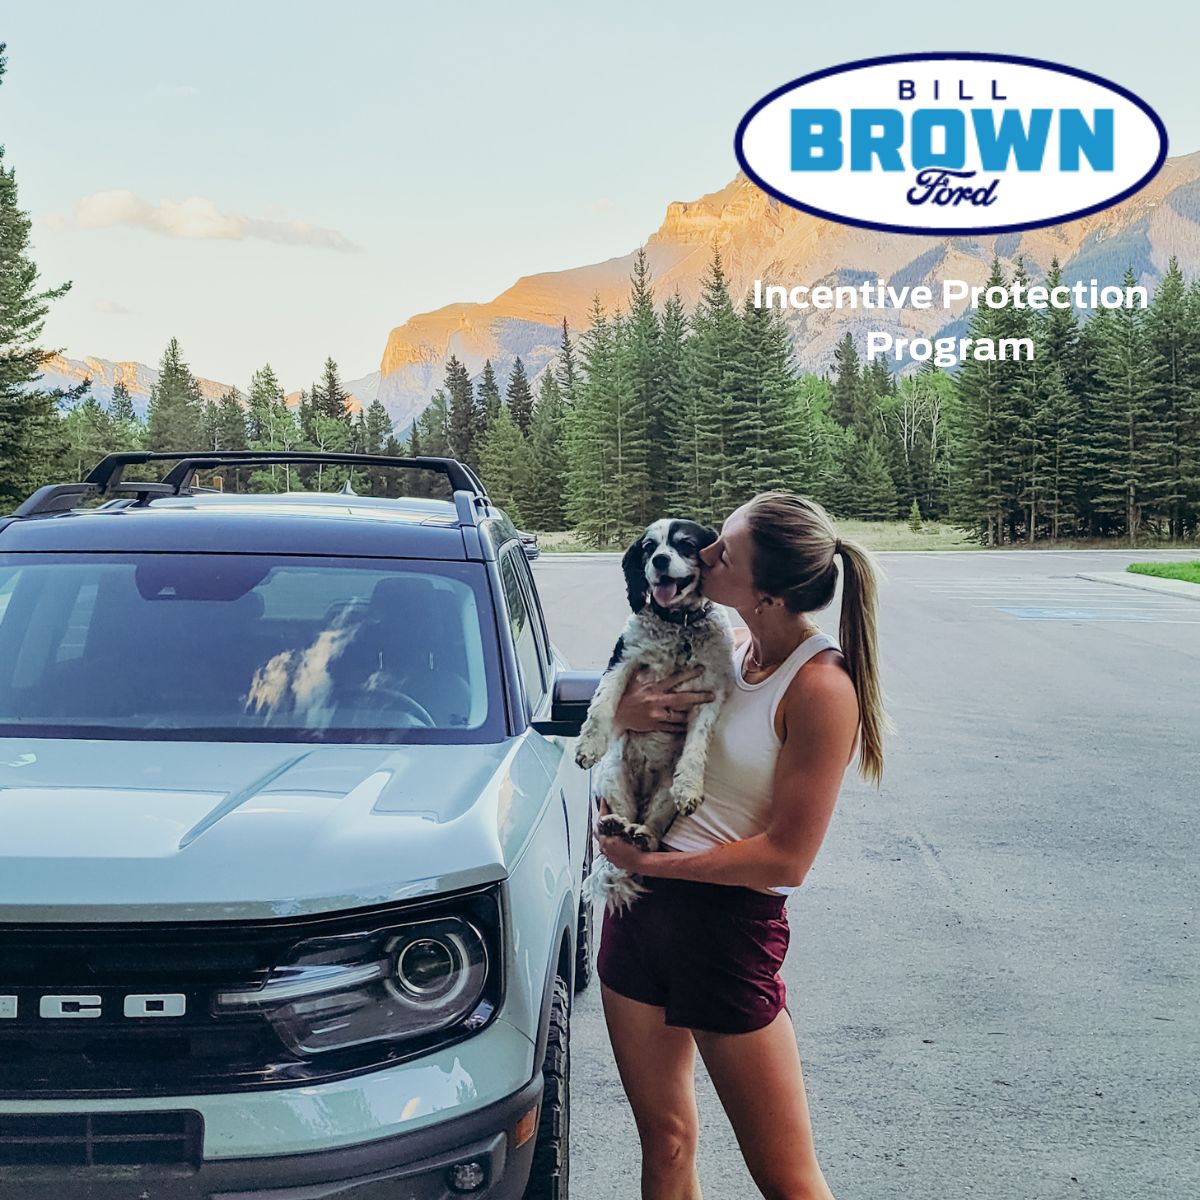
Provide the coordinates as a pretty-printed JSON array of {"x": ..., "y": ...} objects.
[{"x": 683, "y": 616}]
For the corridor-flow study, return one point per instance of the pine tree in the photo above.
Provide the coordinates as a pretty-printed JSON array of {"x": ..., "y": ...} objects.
[
  {"x": 378, "y": 427},
  {"x": 1087, "y": 389},
  {"x": 120, "y": 406},
  {"x": 820, "y": 437},
  {"x": 769, "y": 435},
  {"x": 264, "y": 404},
  {"x": 89, "y": 433},
  {"x": 877, "y": 499},
  {"x": 1127, "y": 434},
  {"x": 1064, "y": 446},
  {"x": 684, "y": 434},
  {"x": 231, "y": 425},
  {"x": 210, "y": 422},
  {"x": 434, "y": 422},
  {"x": 593, "y": 499},
  {"x": 543, "y": 493},
  {"x": 982, "y": 488},
  {"x": 271, "y": 425},
  {"x": 1060, "y": 460},
  {"x": 1027, "y": 452},
  {"x": 645, "y": 452},
  {"x": 565, "y": 368},
  {"x": 377, "y": 432},
  {"x": 176, "y": 414},
  {"x": 504, "y": 462},
  {"x": 1189, "y": 436},
  {"x": 431, "y": 434},
  {"x": 847, "y": 401},
  {"x": 718, "y": 375},
  {"x": 306, "y": 412},
  {"x": 489, "y": 398},
  {"x": 231, "y": 435},
  {"x": 465, "y": 417},
  {"x": 30, "y": 429},
  {"x": 1173, "y": 343},
  {"x": 329, "y": 397},
  {"x": 519, "y": 396},
  {"x": 128, "y": 432}
]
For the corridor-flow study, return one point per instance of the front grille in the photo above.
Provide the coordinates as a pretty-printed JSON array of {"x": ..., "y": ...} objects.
[
  {"x": 140, "y": 1139},
  {"x": 111, "y": 1054}
]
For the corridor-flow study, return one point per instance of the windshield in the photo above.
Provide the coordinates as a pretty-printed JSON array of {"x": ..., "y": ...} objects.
[{"x": 246, "y": 648}]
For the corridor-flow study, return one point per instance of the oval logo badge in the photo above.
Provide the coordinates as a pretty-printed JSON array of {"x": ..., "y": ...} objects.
[{"x": 951, "y": 143}]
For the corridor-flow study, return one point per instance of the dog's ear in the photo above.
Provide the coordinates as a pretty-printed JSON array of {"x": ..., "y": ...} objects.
[
  {"x": 635, "y": 576},
  {"x": 706, "y": 536}
]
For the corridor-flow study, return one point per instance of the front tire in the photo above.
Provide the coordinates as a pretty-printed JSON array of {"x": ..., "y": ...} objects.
[{"x": 549, "y": 1176}]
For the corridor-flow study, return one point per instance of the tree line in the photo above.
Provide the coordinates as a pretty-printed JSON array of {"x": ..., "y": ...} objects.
[{"x": 662, "y": 410}]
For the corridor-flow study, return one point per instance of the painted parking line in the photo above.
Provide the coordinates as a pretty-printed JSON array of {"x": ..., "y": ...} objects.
[
  {"x": 1056, "y": 598},
  {"x": 1078, "y": 614}
]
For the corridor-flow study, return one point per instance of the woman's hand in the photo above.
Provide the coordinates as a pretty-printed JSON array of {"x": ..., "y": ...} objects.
[
  {"x": 618, "y": 851},
  {"x": 655, "y": 707}
]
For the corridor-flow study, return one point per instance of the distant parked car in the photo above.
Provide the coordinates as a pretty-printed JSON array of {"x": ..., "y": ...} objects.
[{"x": 529, "y": 544}]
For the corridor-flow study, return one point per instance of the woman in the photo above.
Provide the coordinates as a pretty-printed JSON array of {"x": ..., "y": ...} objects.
[{"x": 694, "y": 962}]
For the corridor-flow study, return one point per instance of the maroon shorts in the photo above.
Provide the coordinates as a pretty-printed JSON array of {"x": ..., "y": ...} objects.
[{"x": 707, "y": 953}]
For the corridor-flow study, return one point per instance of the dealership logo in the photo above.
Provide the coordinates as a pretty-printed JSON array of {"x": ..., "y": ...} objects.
[{"x": 951, "y": 143}]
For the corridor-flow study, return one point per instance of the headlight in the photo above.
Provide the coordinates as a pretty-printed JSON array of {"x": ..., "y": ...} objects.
[{"x": 396, "y": 983}]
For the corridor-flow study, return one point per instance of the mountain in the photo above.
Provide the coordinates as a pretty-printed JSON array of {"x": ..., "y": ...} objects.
[
  {"x": 760, "y": 238},
  {"x": 61, "y": 372}
]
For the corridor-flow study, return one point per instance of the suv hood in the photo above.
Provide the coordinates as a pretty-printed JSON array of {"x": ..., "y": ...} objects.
[{"x": 219, "y": 831}]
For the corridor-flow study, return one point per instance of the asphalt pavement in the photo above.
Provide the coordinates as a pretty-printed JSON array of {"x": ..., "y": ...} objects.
[{"x": 993, "y": 970}]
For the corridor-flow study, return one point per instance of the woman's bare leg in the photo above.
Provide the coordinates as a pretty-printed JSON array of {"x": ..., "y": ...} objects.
[
  {"x": 761, "y": 1086},
  {"x": 657, "y": 1065}
]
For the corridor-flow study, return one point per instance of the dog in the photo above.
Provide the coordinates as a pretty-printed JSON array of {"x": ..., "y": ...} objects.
[{"x": 648, "y": 778}]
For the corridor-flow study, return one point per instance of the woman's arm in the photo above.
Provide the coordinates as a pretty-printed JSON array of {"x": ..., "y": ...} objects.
[{"x": 820, "y": 721}]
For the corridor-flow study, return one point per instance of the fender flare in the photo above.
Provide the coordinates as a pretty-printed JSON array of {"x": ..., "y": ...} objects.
[{"x": 565, "y": 923}]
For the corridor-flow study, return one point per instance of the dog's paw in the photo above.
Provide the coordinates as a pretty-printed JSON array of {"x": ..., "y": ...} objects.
[
  {"x": 611, "y": 825},
  {"x": 589, "y": 750},
  {"x": 686, "y": 794},
  {"x": 642, "y": 838}
]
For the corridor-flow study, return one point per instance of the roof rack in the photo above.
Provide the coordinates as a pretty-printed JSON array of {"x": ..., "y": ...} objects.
[
  {"x": 470, "y": 495},
  {"x": 62, "y": 497}
]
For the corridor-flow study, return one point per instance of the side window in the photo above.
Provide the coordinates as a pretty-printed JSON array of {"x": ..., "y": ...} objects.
[
  {"x": 521, "y": 622},
  {"x": 535, "y": 611}
]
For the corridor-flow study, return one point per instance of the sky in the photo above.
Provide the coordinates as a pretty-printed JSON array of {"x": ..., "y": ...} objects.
[{"x": 280, "y": 182}]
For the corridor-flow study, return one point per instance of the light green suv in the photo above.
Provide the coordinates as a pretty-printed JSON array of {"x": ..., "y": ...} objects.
[{"x": 294, "y": 838}]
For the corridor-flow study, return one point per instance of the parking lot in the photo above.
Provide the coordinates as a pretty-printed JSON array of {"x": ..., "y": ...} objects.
[{"x": 993, "y": 969}]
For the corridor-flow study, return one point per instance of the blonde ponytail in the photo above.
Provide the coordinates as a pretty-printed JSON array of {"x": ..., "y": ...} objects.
[{"x": 796, "y": 548}]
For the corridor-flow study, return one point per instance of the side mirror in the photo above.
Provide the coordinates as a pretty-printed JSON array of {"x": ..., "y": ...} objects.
[{"x": 573, "y": 692}]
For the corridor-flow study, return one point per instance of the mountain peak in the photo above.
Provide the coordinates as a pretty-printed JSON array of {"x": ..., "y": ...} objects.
[{"x": 762, "y": 238}]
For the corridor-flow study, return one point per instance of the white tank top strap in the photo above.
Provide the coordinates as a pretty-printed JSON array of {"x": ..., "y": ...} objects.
[{"x": 777, "y": 682}]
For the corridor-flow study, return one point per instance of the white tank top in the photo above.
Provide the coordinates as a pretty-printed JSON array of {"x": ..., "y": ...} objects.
[{"x": 740, "y": 772}]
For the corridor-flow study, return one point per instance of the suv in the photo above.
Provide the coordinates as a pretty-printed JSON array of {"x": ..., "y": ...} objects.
[{"x": 293, "y": 844}]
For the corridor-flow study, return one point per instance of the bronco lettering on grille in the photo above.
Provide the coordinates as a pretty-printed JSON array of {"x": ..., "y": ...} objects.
[{"x": 64, "y": 1007}]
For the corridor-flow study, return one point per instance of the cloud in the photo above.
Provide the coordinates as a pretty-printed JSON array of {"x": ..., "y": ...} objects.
[
  {"x": 197, "y": 219},
  {"x": 112, "y": 308}
]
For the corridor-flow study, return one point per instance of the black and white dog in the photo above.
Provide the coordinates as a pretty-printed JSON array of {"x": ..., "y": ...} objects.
[{"x": 646, "y": 778}]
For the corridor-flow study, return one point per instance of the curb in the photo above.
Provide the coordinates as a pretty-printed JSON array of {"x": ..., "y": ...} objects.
[{"x": 1147, "y": 583}]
